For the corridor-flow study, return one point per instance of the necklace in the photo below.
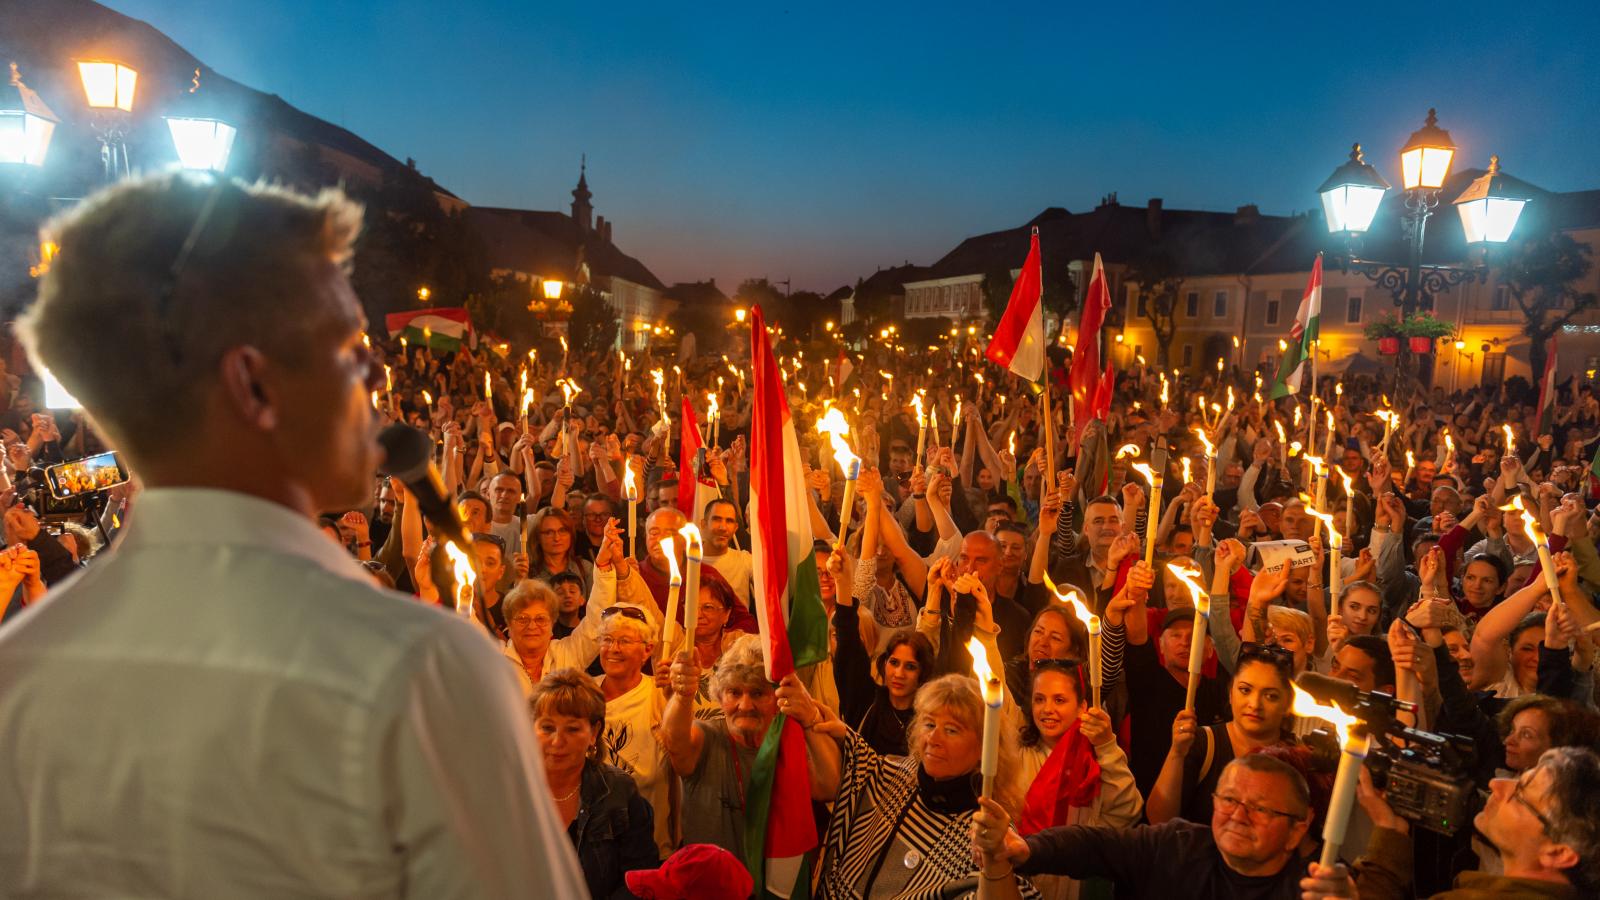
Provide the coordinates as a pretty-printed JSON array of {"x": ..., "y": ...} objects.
[{"x": 571, "y": 795}]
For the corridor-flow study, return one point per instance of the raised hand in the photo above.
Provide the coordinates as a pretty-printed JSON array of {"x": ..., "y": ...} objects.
[{"x": 1122, "y": 547}]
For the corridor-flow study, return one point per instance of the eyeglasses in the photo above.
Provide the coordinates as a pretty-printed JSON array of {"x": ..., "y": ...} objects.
[
  {"x": 609, "y": 641},
  {"x": 527, "y": 621},
  {"x": 551, "y": 532},
  {"x": 1260, "y": 815},
  {"x": 1518, "y": 795},
  {"x": 1269, "y": 653}
]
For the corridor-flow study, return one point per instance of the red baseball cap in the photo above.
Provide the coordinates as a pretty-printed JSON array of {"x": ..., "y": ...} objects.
[{"x": 701, "y": 871}]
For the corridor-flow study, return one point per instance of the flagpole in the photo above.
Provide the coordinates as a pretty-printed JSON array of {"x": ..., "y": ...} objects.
[{"x": 1049, "y": 437}]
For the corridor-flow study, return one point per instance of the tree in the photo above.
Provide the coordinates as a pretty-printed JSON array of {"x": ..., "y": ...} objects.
[
  {"x": 997, "y": 284},
  {"x": 593, "y": 326},
  {"x": 755, "y": 292},
  {"x": 407, "y": 241},
  {"x": 1543, "y": 279},
  {"x": 502, "y": 310},
  {"x": 1156, "y": 275}
]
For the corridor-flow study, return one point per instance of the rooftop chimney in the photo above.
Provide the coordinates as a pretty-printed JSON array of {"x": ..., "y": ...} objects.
[{"x": 1247, "y": 214}]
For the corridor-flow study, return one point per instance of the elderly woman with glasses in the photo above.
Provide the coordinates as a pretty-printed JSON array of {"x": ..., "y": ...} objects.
[
  {"x": 532, "y": 608},
  {"x": 610, "y": 825},
  {"x": 550, "y": 547},
  {"x": 634, "y": 707},
  {"x": 900, "y": 827},
  {"x": 1260, "y": 696}
]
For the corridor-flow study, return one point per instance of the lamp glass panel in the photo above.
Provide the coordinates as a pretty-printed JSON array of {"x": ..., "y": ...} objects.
[
  {"x": 1411, "y": 168},
  {"x": 552, "y": 289},
  {"x": 127, "y": 80},
  {"x": 1491, "y": 219},
  {"x": 1351, "y": 207},
  {"x": 13, "y": 137},
  {"x": 202, "y": 143},
  {"x": 1435, "y": 166},
  {"x": 37, "y": 137},
  {"x": 99, "y": 83}
]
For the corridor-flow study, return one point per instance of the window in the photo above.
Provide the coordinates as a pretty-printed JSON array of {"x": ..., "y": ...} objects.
[
  {"x": 1502, "y": 298},
  {"x": 1272, "y": 312},
  {"x": 1352, "y": 313},
  {"x": 1188, "y": 349},
  {"x": 1141, "y": 307},
  {"x": 1219, "y": 305},
  {"x": 1191, "y": 305}
]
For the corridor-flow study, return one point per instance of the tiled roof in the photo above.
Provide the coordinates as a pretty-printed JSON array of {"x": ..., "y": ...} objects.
[{"x": 546, "y": 244}]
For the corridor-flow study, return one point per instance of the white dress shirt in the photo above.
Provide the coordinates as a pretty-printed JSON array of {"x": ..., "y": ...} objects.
[{"x": 226, "y": 705}]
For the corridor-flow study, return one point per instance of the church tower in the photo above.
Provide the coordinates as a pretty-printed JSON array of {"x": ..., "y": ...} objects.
[{"x": 582, "y": 210}]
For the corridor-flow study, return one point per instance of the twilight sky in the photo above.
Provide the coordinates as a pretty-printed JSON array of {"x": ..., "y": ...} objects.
[{"x": 823, "y": 141}]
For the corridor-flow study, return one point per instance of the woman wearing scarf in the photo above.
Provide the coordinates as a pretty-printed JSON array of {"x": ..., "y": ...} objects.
[{"x": 1072, "y": 770}]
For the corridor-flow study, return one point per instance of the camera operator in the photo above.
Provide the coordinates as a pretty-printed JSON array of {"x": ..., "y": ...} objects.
[
  {"x": 1543, "y": 825},
  {"x": 226, "y": 705}
]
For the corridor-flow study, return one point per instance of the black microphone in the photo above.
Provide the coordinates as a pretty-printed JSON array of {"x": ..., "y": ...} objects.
[{"x": 408, "y": 457}]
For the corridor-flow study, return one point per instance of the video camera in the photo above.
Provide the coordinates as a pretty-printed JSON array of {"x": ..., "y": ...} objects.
[{"x": 1428, "y": 782}]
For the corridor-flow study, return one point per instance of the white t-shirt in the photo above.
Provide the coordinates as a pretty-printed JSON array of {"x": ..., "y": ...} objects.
[
  {"x": 632, "y": 743},
  {"x": 738, "y": 567}
]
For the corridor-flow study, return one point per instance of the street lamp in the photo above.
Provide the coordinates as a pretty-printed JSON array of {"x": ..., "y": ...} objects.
[
  {"x": 1491, "y": 205},
  {"x": 108, "y": 87},
  {"x": 1351, "y": 194},
  {"x": 1489, "y": 209},
  {"x": 203, "y": 140},
  {"x": 552, "y": 289},
  {"x": 739, "y": 314},
  {"x": 423, "y": 293},
  {"x": 26, "y": 124}
]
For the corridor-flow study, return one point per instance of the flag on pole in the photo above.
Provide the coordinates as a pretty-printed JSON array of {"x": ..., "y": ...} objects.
[
  {"x": 1307, "y": 323},
  {"x": 1084, "y": 378},
  {"x": 694, "y": 492},
  {"x": 780, "y": 830},
  {"x": 444, "y": 328},
  {"x": 1018, "y": 342},
  {"x": 842, "y": 373},
  {"x": 1547, "y": 390}
]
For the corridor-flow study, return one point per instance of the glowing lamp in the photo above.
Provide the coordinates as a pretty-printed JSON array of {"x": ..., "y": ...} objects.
[
  {"x": 108, "y": 85},
  {"x": 552, "y": 289},
  {"x": 1491, "y": 205},
  {"x": 1351, "y": 195},
  {"x": 26, "y": 124},
  {"x": 1425, "y": 159}
]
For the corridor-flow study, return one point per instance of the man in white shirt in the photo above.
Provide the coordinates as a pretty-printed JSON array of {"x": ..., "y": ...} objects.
[
  {"x": 225, "y": 705},
  {"x": 719, "y": 524}
]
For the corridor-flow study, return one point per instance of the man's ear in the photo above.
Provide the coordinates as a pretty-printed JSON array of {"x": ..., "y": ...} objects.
[
  {"x": 243, "y": 375},
  {"x": 1557, "y": 857}
]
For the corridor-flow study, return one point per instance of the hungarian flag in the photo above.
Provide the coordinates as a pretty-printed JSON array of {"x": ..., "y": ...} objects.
[
  {"x": 695, "y": 490},
  {"x": 842, "y": 373},
  {"x": 1090, "y": 399},
  {"x": 1018, "y": 342},
  {"x": 442, "y": 329},
  {"x": 1307, "y": 323},
  {"x": 780, "y": 830},
  {"x": 1547, "y": 390}
]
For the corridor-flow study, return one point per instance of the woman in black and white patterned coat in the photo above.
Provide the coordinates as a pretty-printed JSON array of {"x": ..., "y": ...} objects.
[{"x": 901, "y": 827}]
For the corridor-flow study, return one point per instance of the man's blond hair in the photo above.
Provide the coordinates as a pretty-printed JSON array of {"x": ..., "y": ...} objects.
[{"x": 157, "y": 277}]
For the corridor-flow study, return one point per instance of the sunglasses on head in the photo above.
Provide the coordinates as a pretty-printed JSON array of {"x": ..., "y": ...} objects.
[
  {"x": 631, "y": 612},
  {"x": 1270, "y": 653}
]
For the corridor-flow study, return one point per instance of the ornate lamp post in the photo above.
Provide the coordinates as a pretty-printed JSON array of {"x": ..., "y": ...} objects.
[
  {"x": 1489, "y": 209},
  {"x": 26, "y": 124}
]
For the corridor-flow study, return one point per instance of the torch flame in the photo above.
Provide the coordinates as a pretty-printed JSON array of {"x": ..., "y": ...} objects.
[
  {"x": 1530, "y": 522},
  {"x": 1011, "y": 443},
  {"x": 630, "y": 488},
  {"x": 1449, "y": 443},
  {"x": 1350, "y": 483},
  {"x": 916, "y": 403},
  {"x": 1307, "y": 706},
  {"x": 427, "y": 398},
  {"x": 1148, "y": 473},
  {"x": 1316, "y": 464},
  {"x": 563, "y": 343},
  {"x": 374, "y": 399},
  {"x": 1411, "y": 461},
  {"x": 691, "y": 537},
  {"x": 1188, "y": 473},
  {"x": 1279, "y": 425},
  {"x": 670, "y": 551},
  {"x": 488, "y": 392},
  {"x": 465, "y": 575},
  {"x": 980, "y": 661},
  {"x": 956, "y": 419},
  {"x": 1511, "y": 441},
  {"x": 527, "y": 401},
  {"x": 1189, "y": 577},
  {"x": 1164, "y": 395},
  {"x": 1199, "y": 432},
  {"x": 1127, "y": 450},
  {"x": 388, "y": 379},
  {"x": 712, "y": 409}
]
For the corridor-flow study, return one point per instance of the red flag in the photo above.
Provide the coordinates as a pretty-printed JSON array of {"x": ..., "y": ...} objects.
[
  {"x": 1070, "y": 777},
  {"x": 1084, "y": 377},
  {"x": 693, "y": 493},
  {"x": 1102, "y": 393},
  {"x": 1018, "y": 342}
]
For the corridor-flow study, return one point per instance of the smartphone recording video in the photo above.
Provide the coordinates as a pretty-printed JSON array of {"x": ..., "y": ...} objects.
[{"x": 85, "y": 476}]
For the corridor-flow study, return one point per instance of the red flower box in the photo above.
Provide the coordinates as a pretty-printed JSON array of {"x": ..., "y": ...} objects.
[
  {"x": 1389, "y": 346},
  {"x": 1421, "y": 345}
]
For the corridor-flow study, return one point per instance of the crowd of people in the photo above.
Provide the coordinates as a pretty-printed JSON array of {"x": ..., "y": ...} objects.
[{"x": 976, "y": 523}]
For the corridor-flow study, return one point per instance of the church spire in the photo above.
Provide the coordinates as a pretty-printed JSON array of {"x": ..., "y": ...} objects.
[{"x": 582, "y": 210}]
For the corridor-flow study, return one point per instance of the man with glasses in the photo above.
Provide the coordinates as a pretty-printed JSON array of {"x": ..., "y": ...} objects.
[
  {"x": 210, "y": 330},
  {"x": 1261, "y": 811},
  {"x": 650, "y": 581},
  {"x": 1543, "y": 825},
  {"x": 597, "y": 510}
]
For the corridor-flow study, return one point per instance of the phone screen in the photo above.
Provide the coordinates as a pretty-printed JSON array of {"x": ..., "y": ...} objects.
[{"x": 83, "y": 476}]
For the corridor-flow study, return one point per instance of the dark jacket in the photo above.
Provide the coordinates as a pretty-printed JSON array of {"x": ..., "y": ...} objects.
[
  {"x": 614, "y": 832},
  {"x": 1157, "y": 862}
]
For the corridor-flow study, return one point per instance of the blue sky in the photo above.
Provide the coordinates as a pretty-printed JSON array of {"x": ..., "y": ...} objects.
[{"x": 825, "y": 140}]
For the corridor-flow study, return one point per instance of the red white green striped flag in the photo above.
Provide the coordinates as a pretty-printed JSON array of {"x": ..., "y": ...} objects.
[
  {"x": 780, "y": 830},
  {"x": 442, "y": 328},
  {"x": 1307, "y": 325}
]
